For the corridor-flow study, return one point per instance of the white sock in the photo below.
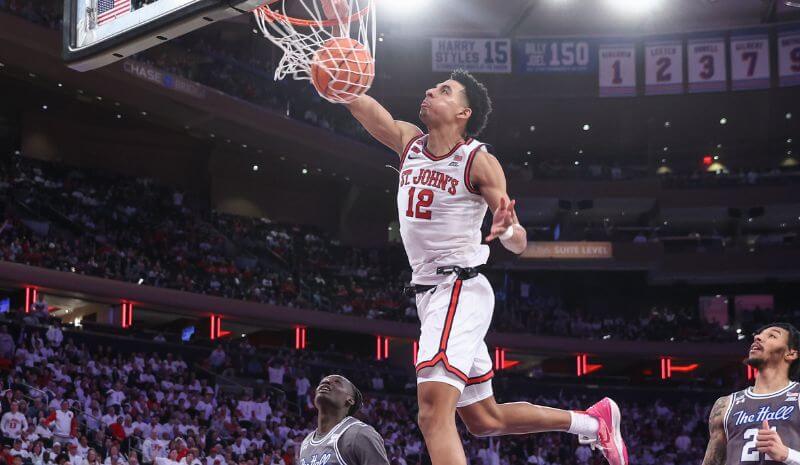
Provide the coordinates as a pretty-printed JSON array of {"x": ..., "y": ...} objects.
[{"x": 583, "y": 424}]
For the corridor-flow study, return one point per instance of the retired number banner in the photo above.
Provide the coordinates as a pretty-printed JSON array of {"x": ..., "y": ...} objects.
[
  {"x": 749, "y": 60},
  {"x": 707, "y": 63},
  {"x": 554, "y": 55},
  {"x": 789, "y": 57},
  {"x": 617, "y": 69},
  {"x": 473, "y": 55},
  {"x": 663, "y": 64}
]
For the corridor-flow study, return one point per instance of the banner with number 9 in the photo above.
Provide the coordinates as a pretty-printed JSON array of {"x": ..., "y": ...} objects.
[{"x": 789, "y": 57}]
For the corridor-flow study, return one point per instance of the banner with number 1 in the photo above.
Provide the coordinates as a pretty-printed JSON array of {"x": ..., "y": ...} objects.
[
  {"x": 617, "y": 69},
  {"x": 750, "y": 62}
]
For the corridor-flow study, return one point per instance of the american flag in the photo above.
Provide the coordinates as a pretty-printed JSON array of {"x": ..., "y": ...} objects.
[{"x": 111, "y": 9}]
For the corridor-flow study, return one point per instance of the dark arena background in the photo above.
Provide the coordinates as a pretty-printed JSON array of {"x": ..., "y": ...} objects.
[{"x": 189, "y": 245}]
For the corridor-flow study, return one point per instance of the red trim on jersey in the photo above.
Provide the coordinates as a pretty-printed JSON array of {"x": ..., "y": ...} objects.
[
  {"x": 407, "y": 148},
  {"x": 442, "y": 357},
  {"x": 480, "y": 379},
  {"x": 451, "y": 313},
  {"x": 452, "y": 151},
  {"x": 468, "y": 169}
]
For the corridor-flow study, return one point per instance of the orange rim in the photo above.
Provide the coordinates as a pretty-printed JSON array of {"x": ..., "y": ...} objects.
[{"x": 275, "y": 16}]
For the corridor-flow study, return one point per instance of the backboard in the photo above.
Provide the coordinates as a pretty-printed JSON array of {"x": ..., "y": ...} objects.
[{"x": 99, "y": 32}]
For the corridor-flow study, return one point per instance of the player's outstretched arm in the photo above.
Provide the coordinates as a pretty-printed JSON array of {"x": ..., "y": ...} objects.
[
  {"x": 380, "y": 123},
  {"x": 717, "y": 443},
  {"x": 488, "y": 177}
]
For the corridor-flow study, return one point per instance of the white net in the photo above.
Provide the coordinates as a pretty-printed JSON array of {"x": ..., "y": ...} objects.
[{"x": 330, "y": 42}]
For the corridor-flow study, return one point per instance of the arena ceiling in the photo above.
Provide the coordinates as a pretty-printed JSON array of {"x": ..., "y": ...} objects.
[{"x": 519, "y": 18}]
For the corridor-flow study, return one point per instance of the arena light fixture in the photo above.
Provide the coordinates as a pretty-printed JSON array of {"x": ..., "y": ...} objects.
[
  {"x": 667, "y": 124},
  {"x": 586, "y": 127},
  {"x": 532, "y": 128},
  {"x": 789, "y": 141},
  {"x": 788, "y": 116},
  {"x": 304, "y": 171},
  {"x": 403, "y": 7},
  {"x": 723, "y": 121},
  {"x": 633, "y": 7},
  {"x": 665, "y": 149},
  {"x": 255, "y": 167}
]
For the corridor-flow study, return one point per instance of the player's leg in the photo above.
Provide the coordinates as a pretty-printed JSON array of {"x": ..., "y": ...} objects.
[
  {"x": 483, "y": 416},
  {"x": 599, "y": 425},
  {"x": 488, "y": 418},
  {"x": 444, "y": 356},
  {"x": 437, "y": 421}
]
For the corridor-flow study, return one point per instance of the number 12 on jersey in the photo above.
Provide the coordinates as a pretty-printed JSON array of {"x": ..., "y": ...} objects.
[{"x": 419, "y": 202}]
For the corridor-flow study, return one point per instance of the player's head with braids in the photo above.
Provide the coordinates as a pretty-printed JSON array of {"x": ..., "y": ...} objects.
[
  {"x": 776, "y": 343},
  {"x": 477, "y": 100},
  {"x": 338, "y": 396}
]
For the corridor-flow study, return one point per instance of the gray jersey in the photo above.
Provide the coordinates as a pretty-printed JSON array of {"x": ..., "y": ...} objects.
[
  {"x": 745, "y": 415},
  {"x": 350, "y": 442}
]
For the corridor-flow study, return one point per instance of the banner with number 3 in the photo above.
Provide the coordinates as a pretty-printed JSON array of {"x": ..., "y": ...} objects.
[
  {"x": 750, "y": 60},
  {"x": 707, "y": 63}
]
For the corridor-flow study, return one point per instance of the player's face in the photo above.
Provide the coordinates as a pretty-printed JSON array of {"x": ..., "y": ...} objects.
[
  {"x": 333, "y": 389},
  {"x": 770, "y": 347},
  {"x": 443, "y": 104}
]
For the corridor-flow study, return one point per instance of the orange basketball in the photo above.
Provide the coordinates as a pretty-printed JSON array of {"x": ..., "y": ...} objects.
[{"x": 342, "y": 70}]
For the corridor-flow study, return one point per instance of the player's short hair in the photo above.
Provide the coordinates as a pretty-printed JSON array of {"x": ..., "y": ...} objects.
[
  {"x": 477, "y": 100},
  {"x": 357, "y": 397},
  {"x": 794, "y": 344}
]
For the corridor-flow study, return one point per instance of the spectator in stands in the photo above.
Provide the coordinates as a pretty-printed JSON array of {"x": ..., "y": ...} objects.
[
  {"x": 13, "y": 423},
  {"x": 6, "y": 343},
  {"x": 63, "y": 423},
  {"x": 54, "y": 335}
]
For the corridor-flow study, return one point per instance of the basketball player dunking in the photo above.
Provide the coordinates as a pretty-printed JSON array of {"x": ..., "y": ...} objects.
[
  {"x": 447, "y": 179},
  {"x": 761, "y": 425},
  {"x": 339, "y": 438}
]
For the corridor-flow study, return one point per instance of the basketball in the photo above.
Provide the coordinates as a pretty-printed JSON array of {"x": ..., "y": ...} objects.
[{"x": 342, "y": 70}]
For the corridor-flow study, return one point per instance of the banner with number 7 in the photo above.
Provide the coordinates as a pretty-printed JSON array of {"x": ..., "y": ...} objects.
[{"x": 750, "y": 60}]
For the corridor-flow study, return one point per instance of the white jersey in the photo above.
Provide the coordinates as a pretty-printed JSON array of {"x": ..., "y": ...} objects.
[{"x": 440, "y": 211}]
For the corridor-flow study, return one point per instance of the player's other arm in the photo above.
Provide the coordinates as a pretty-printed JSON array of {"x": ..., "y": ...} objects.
[
  {"x": 380, "y": 123},
  {"x": 488, "y": 177},
  {"x": 717, "y": 442}
]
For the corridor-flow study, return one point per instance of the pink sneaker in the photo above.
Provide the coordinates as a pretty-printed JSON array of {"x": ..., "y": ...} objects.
[{"x": 609, "y": 437}]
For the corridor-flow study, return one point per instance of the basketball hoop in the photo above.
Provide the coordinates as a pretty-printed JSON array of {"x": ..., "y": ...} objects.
[{"x": 300, "y": 38}]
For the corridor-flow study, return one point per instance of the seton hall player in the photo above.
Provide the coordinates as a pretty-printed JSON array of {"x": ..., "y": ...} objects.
[
  {"x": 761, "y": 425},
  {"x": 447, "y": 180},
  {"x": 339, "y": 438}
]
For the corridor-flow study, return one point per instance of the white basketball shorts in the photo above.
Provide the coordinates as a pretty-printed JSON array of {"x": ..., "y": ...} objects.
[{"x": 455, "y": 317}]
